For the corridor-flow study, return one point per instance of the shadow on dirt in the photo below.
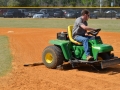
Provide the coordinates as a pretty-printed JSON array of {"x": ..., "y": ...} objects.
[
  {"x": 33, "y": 64},
  {"x": 89, "y": 68}
]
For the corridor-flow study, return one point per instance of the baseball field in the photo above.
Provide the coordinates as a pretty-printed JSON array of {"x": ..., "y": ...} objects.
[{"x": 22, "y": 42}]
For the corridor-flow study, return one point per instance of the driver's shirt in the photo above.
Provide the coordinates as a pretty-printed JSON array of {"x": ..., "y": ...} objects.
[{"x": 77, "y": 30}]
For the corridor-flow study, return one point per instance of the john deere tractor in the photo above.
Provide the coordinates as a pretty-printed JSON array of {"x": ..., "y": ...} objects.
[{"x": 66, "y": 49}]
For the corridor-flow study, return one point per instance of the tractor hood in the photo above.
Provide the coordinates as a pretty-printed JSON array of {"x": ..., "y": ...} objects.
[{"x": 103, "y": 48}]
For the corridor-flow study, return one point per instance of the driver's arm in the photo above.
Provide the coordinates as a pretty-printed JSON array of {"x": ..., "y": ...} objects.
[{"x": 86, "y": 27}]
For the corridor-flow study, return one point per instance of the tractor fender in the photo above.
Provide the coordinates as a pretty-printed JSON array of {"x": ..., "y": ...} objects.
[{"x": 64, "y": 45}]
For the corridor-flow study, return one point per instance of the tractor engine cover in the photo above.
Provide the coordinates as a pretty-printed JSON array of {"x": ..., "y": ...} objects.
[{"x": 62, "y": 36}]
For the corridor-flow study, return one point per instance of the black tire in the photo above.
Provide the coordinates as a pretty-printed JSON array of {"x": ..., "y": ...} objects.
[
  {"x": 52, "y": 57},
  {"x": 103, "y": 56}
]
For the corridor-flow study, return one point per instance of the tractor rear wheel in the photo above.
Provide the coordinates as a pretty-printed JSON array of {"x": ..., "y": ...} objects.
[{"x": 52, "y": 56}]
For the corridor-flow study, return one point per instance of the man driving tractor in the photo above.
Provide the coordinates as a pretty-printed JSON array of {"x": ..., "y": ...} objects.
[
  {"x": 75, "y": 47},
  {"x": 79, "y": 31}
]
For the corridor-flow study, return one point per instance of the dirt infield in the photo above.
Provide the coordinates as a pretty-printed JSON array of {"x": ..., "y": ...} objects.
[{"x": 27, "y": 46}]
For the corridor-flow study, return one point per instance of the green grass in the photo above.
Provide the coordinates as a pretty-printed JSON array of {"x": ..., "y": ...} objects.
[
  {"x": 104, "y": 24},
  {"x": 5, "y": 56}
]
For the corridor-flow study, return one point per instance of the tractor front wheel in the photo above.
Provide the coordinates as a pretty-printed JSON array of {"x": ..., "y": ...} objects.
[
  {"x": 52, "y": 57},
  {"x": 101, "y": 57}
]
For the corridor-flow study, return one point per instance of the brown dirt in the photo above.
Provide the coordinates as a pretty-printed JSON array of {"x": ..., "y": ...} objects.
[{"x": 27, "y": 46}]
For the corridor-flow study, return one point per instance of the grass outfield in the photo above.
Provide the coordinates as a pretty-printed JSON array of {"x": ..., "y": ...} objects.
[
  {"x": 104, "y": 24},
  {"x": 5, "y": 56}
]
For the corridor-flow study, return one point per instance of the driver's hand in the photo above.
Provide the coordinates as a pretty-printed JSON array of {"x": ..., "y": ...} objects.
[{"x": 86, "y": 34}]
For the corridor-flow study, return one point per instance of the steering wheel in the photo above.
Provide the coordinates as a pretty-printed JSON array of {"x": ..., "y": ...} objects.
[{"x": 94, "y": 32}]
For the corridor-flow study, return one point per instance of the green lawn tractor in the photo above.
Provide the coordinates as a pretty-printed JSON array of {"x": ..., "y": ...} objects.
[{"x": 66, "y": 49}]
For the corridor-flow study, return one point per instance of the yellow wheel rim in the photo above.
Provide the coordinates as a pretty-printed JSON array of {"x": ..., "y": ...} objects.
[
  {"x": 99, "y": 58},
  {"x": 48, "y": 57}
]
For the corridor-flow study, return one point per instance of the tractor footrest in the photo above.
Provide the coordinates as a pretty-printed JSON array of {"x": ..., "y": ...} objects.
[{"x": 108, "y": 63}]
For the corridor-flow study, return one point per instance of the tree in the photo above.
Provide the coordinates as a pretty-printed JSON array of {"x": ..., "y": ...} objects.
[
  {"x": 12, "y": 3},
  {"x": 84, "y": 3},
  {"x": 88, "y": 2},
  {"x": 47, "y": 2},
  {"x": 24, "y": 3},
  {"x": 3, "y": 3},
  {"x": 64, "y": 2},
  {"x": 117, "y": 3},
  {"x": 73, "y": 2},
  {"x": 54, "y": 3}
]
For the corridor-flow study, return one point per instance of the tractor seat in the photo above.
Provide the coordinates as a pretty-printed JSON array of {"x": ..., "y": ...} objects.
[{"x": 70, "y": 27}]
